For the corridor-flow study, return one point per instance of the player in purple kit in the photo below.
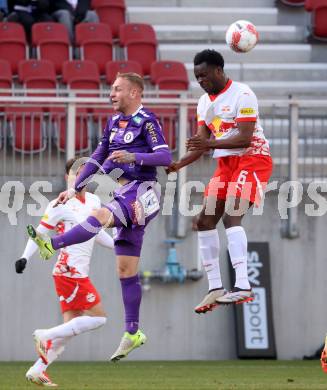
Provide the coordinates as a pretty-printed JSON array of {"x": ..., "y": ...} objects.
[{"x": 133, "y": 142}]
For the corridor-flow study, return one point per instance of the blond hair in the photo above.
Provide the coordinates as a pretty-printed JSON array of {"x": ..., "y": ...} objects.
[{"x": 133, "y": 78}]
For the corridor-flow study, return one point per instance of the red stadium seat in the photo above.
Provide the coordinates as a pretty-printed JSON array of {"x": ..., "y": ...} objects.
[
  {"x": 13, "y": 46},
  {"x": 100, "y": 117},
  {"x": 5, "y": 83},
  {"x": 27, "y": 128},
  {"x": 81, "y": 75},
  {"x": 5, "y": 76},
  {"x": 140, "y": 43},
  {"x": 52, "y": 43},
  {"x": 37, "y": 74},
  {"x": 114, "y": 67},
  {"x": 95, "y": 42},
  {"x": 167, "y": 117},
  {"x": 111, "y": 12},
  {"x": 319, "y": 18},
  {"x": 77, "y": 75},
  {"x": 169, "y": 75}
]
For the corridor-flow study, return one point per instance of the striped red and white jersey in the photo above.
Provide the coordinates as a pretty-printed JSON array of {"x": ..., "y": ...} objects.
[
  {"x": 73, "y": 261},
  {"x": 221, "y": 114}
]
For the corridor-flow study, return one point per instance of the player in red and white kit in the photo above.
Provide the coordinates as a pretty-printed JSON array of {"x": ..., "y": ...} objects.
[
  {"x": 228, "y": 122},
  {"x": 80, "y": 302}
]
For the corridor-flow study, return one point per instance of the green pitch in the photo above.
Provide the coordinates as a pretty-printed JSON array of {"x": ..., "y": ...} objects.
[{"x": 190, "y": 375}]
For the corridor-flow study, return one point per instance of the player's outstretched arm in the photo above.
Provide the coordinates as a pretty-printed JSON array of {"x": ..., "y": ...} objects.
[
  {"x": 192, "y": 155},
  {"x": 29, "y": 251}
]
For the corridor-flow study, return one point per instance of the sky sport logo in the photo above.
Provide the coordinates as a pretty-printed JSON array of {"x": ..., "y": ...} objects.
[{"x": 255, "y": 312}]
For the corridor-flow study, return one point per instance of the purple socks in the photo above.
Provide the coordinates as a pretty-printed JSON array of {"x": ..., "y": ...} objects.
[
  {"x": 132, "y": 295},
  {"x": 79, "y": 233}
]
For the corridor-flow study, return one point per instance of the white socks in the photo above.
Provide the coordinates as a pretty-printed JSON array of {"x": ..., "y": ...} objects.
[
  {"x": 57, "y": 348},
  {"x": 238, "y": 251},
  {"x": 75, "y": 327},
  {"x": 208, "y": 242},
  {"x": 61, "y": 334}
]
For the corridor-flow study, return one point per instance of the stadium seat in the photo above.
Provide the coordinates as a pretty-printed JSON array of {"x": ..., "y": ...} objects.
[
  {"x": 52, "y": 43},
  {"x": 13, "y": 47},
  {"x": 294, "y": 3},
  {"x": 111, "y": 12},
  {"x": 140, "y": 44},
  {"x": 37, "y": 74},
  {"x": 167, "y": 117},
  {"x": 77, "y": 75},
  {"x": 114, "y": 67},
  {"x": 27, "y": 128},
  {"x": 5, "y": 76},
  {"x": 319, "y": 18},
  {"x": 95, "y": 42},
  {"x": 5, "y": 83},
  {"x": 169, "y": 75}
]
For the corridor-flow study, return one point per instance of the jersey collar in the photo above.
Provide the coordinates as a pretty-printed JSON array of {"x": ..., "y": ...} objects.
[
  {"x": 127, "y": 117},
  {"x": 228, "y": 84}
]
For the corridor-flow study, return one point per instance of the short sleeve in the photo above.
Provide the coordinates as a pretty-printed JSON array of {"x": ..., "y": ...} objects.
[
  {"x": 52, "y": 216},
  {"x": 247, "y": 108},
  {"x": 199, "y": 113},
  {"x": 153, "y": 135}
]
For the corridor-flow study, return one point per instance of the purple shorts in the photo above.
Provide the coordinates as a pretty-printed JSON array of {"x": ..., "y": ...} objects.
[{"x": 133, "y": 207}]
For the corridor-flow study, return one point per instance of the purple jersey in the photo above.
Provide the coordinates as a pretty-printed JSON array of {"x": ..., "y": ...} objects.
[{"x": 138, "y": 133}]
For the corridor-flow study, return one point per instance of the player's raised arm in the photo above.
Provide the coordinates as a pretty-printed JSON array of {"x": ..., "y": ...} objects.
[
  {"x": 203, "y": 133},
  {"x": 92, "y": 165}
]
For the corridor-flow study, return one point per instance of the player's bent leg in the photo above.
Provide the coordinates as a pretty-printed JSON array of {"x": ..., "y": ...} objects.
[
  {"x": 80, "y": 233},
  {"x": 208, "y": 241},
  {"x": 85, "y": 230}
]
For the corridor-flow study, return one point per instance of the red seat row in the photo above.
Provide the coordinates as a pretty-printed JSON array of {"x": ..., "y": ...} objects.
[
  {"x": 27, "y": 123},
  {"x": 78, "y": 74},
  {"x": 95, "y": 41},
  {"x": 318, "y": 8}
]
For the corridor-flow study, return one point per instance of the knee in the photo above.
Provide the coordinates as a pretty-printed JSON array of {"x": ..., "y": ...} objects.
[
  {"x": 91, "y": 17},
  {"x": 206, "y": 222},
  {"x": 63, "y": 16},
  {"x": 230, "y": 221},
  {"x": 102, "y": 215},
  {"x": 102, "y": 320},
  {"x": 123, "y": 270}
]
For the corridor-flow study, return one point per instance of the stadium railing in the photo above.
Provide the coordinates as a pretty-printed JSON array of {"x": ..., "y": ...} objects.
[{"x": 39, "y": 132}]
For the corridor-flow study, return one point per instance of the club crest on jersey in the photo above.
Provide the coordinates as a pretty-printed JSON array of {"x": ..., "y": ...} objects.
[
  {"x": 90, "y": 297},
  {"x": 137, "y": 120},
  {"x": 128, "y": 137}
]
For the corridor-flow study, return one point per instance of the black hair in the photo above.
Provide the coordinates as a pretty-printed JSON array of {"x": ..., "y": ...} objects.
[
  {"x": 74, "y": 163},
  {"x": 210, "y": 57}
]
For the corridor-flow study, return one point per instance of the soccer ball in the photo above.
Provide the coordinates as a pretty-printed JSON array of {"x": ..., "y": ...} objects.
[{"x": 242, "y": 36}]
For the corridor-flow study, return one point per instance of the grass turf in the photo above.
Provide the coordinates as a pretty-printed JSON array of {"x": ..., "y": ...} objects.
[{"x": 181, "y": 375}]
